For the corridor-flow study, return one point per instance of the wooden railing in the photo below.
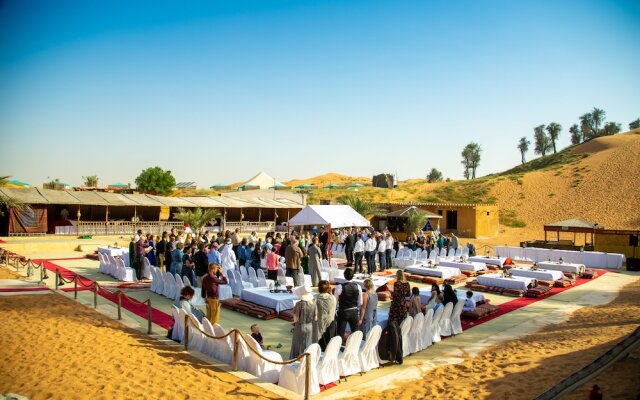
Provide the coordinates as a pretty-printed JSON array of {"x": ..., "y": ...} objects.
[
  {"x": 250, "y": 226},
  {"x": 125, "y": 227}
]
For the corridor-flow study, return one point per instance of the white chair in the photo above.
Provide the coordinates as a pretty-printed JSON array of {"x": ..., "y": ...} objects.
[
  {"x": 127, "y": 274},
  {"x": 224, "y": 347},
  {"x": 445, "y": 320},
  {"x": 456, "y": 324},
  {"x": 433, "y": 255},
  {"x": 262, "y": 279},
  {"x": 178, "y": 323},
  {"x": 169, "y": 286},
  {"x": 282, "y": 279},
  {"x": 427, "y": 330},
  {"x": 244, "y": 274},
  {"x": 348, "y": 359},
  {"x": 112, "y": 267},
  {"x": 328, "y": 366},
  {"x": 224, "y": 292},
  {"x": 415, "y": 333},
  {"x": 179, "y": 286},
  {"x": 458, "y": 252},
  {"x": 292, "y": 376},
  {"x": 235, "y": 286},
  {"x": 197, "y": 299},
  {"x": 325, "y": 264},
  {"x": 369, "y": 352},
  {"x": 210, "y": 347},
  {"x": 465, "y": 252},
  {"x": 243, "y": 284},
  {"x": 253, "y": 278},
  {"x": 146, "y": 268},
  {"x": 268, "y": 372},
  {"x": 159, "y": 280},
  {"x": 196, "y": 338},
  {"x": 422, "y": 255},
  {"x": 435, "y": 325},
  {"x": 244, "y": 357},
  {"x": 101, "y": 266},
  {"x": 405, "y": 327},
  {"x": 452, "y": 252}
]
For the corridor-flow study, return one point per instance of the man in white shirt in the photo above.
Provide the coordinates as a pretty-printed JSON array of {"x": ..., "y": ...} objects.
[
  {"x": 370, "y": 254},
  {"x": 358, "y": 252},
  {"x": 469, "y": 304},
  {"x": 252, "y": 237},
  {"x": 388, "y": 249},
  {"x": 382, "y": 254}
]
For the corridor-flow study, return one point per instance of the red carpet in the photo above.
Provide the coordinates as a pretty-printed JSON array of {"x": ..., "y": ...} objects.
[
  {"x": 520, "y": 302},
  {"x": 158, "y": 317}
]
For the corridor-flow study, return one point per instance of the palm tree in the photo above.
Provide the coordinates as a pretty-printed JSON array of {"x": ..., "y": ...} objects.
[
  {"x": 8, "y": 202},
  {"x": 416, "y": 219},
  {"x": 542, "y": 140},
  {"x": 553, "y": 129},
  {"x": 362, "y": 207},
  {"x": 523, "y": 146},
  {"x": 576, "y": 134},
  {"x": 90, "y": 181},
  {"x": 597, "y": 115},
  {"x": 197, "y": 218}
]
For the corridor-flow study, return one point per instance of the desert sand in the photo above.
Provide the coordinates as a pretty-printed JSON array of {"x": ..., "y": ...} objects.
[
  {"x": 54, "y": 348},
  {"x": 525, "y": 368}
]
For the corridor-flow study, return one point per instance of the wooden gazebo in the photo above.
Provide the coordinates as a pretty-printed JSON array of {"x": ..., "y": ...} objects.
[{"x": 574, "y": 226}]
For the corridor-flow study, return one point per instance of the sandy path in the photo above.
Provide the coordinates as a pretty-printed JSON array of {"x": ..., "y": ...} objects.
[
  {"x": 53, "y": 348},
  {"x": 524, "y": 368}
]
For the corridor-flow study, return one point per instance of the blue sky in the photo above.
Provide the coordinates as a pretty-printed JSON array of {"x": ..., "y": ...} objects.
[{"x": 218, "y": 91}]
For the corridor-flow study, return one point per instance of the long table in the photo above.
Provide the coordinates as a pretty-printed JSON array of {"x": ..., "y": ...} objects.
[
  {"x": 466, "y": 266},
  {"x": 592, "y": 259},
  {"x": 499, "y": 261},
  {"x": 541, "y": 274},
  {"x": 516, "y": 282},
  {"x": 440, "y": 272},
  {"x": 263, "y": 297},
  {"x": 377, "y": 280},
  {"x": 564, "y": 267},
  {"x": 425, "y": 294}
]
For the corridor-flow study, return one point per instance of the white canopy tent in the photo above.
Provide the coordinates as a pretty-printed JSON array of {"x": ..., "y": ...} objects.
[{"x": 333, "y": 216}]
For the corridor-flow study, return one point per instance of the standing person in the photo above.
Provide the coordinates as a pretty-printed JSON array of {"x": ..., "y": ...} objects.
[
  {"x": 326, "y": 312},
  {"x": 210, "y": 291},
  {"x": 369, "y": 309},
  {"x": 252, "y": 238},
  {"x": 415, "y": 306},
  {"x": 293, "y": 261},
  {"x": 132, "y": 252},
  {"x": 454, "y": 242},
  {"x": 176, "y": 259},
  {"x": 161, "y": 249},
  {"x": 315, "y": 261},
  {"x": 235, "y": 241},
  {"x": 141, "y": 246},
  {"x": 401, "y": 289},
  {"x": 382, "y": 252},
  {"x": 370, "y": 254},
  {"x": 271, "y": 261},
  {"x": 201, "y": 261},
  {"x": 440, "y": 243},
  {"x": 188, "y": 267},
  {"x": 213, "y": 256},
  {"x": 151, "y": 250},
  {"x": 349, "y": 243},
  {"x": 324, "y": 241},
  {"x": 388, "y": 249},
  {"x": 304, "y": 322},
  {"x": 248, "y": 255},
  {"x": 228, "y": 256},
  {"x": 349, "y": 302},
  {"x": 449, "y": 296},
  {"x": 241, "y": 252},
  {"x": 358, "y": 253}
]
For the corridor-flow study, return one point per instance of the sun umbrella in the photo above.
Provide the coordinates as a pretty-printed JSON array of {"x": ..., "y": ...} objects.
[
  {"x": 305, "y": 186},
  {"x": 118, "y": 184},
  {"x": 218, "y": 186},
  {"x": 354, "y": 185},
  {"x": 279, "y": 186},
  {"x": 331, "y": 186}
]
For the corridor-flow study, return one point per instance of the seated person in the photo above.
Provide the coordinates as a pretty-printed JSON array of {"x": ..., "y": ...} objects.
[
  {"x": 184, "y": 302},
  {"x": 415, "y": 306},
  {"x": 469, "y": 304},
  {"x": 257, "y": 336}
]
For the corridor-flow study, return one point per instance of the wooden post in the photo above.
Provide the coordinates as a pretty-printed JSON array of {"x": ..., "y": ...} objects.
[
  {"x": 234, "y": 363},
  {"x": 307, "y": 376},
  {"x": 545, "y": 235},
  {"x": 41, "y": 272},
  {"x": 149, "y": 317},
  {"x": 558, "y": 236},
  {"x": 119, "y": 305},
  {"x": 75, "y": 287},
  {"x": 186, "y": 333},
  {"x": 95, "y": 295},
  {"x": 57, "y": 278}
]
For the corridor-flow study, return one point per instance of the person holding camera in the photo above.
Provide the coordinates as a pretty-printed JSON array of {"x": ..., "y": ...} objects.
[{"x": 210, "y": 291}]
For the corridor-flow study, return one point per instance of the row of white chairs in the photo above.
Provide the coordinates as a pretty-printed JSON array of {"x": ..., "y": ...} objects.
[
  {"x": 328, "y": 367},
  {"x": 424, "y": 330},
  {"x": 115, "y": 267},
  {"x": 169, "y": 285}
]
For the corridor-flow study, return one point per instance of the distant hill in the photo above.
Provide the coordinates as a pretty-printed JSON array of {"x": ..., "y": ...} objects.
[{"x": 327, "y": 179}]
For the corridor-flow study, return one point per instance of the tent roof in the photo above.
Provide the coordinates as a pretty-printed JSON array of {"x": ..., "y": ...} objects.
[
  {"x": 339, "y": 216},
  {"x": 574, "y": 223},
  {"x": 402, "y": 213},
  {"x": 262, "y": 180}
]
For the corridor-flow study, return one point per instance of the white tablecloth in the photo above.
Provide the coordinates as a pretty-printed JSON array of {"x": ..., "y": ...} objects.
[
  {"x": 592, "y": 259},
  {"x": 262, "y": 297},
  {"x": 516, "y": 282},
  {"x": 425, "y": 294},
  {"x": 499, "y": 261},
  {"x": 566, "y": 267},
  {"x": 466, "y": 266},
  {"x": 377, "y": 280},
  {"x": 440, "y": 272},
  {"x": 116, "y": 252},
  {"x": 541, "y": 274}
]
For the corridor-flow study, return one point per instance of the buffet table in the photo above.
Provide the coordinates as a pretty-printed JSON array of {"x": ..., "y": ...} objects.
[
  {"x": 592, "y": 259},
  {"x": 263, "y": 297},
  {"x": 466, "y": 266},
  {"x": 564, "y": 266},
  {"x": 440, "y": 272},
  {"x": 499, "y": 261},
  {"x": 516, "y": 282},
  {"x": 541, "y": 274}
]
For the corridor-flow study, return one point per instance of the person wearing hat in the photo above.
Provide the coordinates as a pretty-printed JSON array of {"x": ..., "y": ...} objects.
[
  {"x": 304, "y": 322},
  {"x": 228, "y": 256}
]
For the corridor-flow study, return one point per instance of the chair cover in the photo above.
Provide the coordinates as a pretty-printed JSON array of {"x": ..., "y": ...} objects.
[
  {"x": 235, "y": 289},
  {"x": 262, "y": 279},
  {"x": 268, "y": 372},
  {"x": 427, "y": 329},
  {"x": 445, "y": 320},
  {"x": 244, "y": 274},
  {"x": 433, "y": 255},
  {"x": 253, "y": 278},
  {"x": 186, "y": 281},
  {"x": 210, "y": 346},
  {"x": 405, "y": 327},
  {"x": 178, "y": 323},
  {"x": 169, "y": 286},
  {"x": 415, "y": 333},
  {"x": 348, "y": 360},
  {"x": 292, "y": 376},
  {"x": 452, "y": 252},
  {"x": 369, "y": 353},
  {"x": 244, "y": 357},
  {"x": 458, "y": 252},
  {"x": 179, "y": 286},
  {"x": 146, "y": 268},
  {"x": 328, "y": 367},
  {"x": 281, "y": 277},
  {"x": 456, "y": 324},
  {"x": 196, "y": 338},
  {"x": 224, "y": 347},
  {"x": 435, "y": 324}
]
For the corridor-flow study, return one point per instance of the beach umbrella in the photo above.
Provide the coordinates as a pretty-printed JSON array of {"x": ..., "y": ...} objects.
[
  {"x": 118, "y": 184},
  {"x": 305, "y": 186},
  {"x": 354, "y": 185},
  {"x": 18, "y": 183},
  {"x": 279, "y": 186},
  {"x": 219, "y": 186},
  {"x": 331, "y": 186}
]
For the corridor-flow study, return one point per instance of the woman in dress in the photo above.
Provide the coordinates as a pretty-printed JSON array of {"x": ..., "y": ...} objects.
[
  {"x": 435, "y": 300},
  {"x": 151, "y": 254},
  {"x": 326, "y": 314},
  {"x": 188, "y": 266},
  {"x": 401, "y": 289},
  {"x": 304, "y": 322},
  {"x": 449, "y": 295},
  {"x": 369, "y": 309},
  {"x": 176, "y": 259}
]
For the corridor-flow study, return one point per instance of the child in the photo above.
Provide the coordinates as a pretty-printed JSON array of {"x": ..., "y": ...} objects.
[
  {"x": 414, "y": 304},
  {"x": 255, "y": 333},
  {"x": 469, "y": 304}
]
